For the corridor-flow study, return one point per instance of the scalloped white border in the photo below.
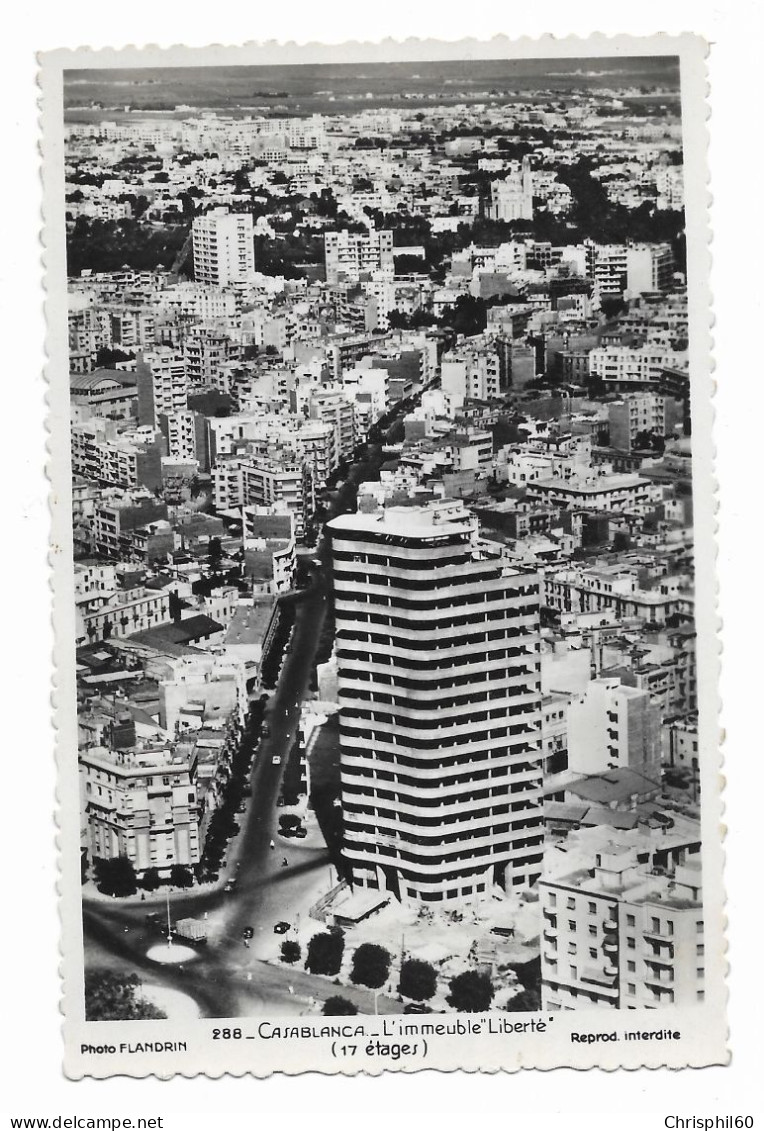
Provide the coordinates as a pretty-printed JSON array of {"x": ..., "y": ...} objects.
[{"x": 707, "y": 1044}]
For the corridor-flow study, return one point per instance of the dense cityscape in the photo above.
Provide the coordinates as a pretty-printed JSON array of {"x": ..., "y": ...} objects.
[{"x": 383, "y": 558}]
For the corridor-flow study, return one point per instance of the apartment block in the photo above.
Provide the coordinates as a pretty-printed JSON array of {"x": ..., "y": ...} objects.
[
  {"x": 624, "y": 930},
  {"x": 125, "y": 612},
  {"x": 186, "y": 434},
  {"x": 128, "y": 460},
  {"x": 257, "y": 481},
  {"x": 223, "y": 248},
  {"x": 613, "y": 726},
  {"x": 162, "y": 384},
  {"x": 348, "y": 254},
  {"x": 472, "y": 374},
  {"x": 636, "y": 269},
  {"x": 142, "y": 804},
  {"x": 440, "y": 705},
  {"x": 626, "y": 367},
  {"x": 334, "y": 407},
  {"x": 640, "y": 413}
]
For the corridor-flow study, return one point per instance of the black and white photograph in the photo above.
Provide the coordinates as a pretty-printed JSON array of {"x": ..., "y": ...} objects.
[{"x": 386, "y": 634}]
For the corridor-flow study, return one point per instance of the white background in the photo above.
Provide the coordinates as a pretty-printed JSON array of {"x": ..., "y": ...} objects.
[{"x": 28, "y": 999}]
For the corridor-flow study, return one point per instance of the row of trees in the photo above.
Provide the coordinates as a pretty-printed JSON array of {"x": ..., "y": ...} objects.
[
  {"x": 469, "y": 992},
  {"x": 118, "y": 877},
  {"x": 223, "y": 824},
  {"x": 110, "y": 245}
]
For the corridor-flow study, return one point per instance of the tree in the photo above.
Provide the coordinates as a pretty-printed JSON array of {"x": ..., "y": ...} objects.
[
  {"x": 116, "y": 876},
  {"x": 418, "y": 979},
  {"x": 621, "y": 541},
  {"x": 105, "y": 358},
  {"x": 325, "y": 952},
  {"x": 527, "y": 1001},
  {"x": 339, "y": 1007},
  {"x": 468, "y": 316},
  {"x": 181, "y": 876},
  {"x": 612, "y": 305},
  {"x": 470, "y": 992},
  {"x": 291, "y": 951},
  {"x": 215, "y": 552},
  {"x": 150, "y": 880},
  {"x": 115, "y": 997},
  {"x": 371, "y": 966}
]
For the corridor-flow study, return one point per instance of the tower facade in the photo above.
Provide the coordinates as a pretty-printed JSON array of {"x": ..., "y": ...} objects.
[{"x": 437, "y": 643}]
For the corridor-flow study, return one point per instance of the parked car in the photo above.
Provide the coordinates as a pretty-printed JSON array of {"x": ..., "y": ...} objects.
[
  {"x": 230, "y": 885},
  {"x": 276, "y": 759},
  {"x": 301, "y": 832},
  {"x": 281, "y": 928},
  {"x": 248, "y": 932}
]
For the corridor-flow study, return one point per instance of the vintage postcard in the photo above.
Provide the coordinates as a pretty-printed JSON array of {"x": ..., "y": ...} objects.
[{"x": 383, "y": 510}]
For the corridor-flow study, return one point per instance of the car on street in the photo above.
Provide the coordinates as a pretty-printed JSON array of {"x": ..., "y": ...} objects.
[
  {"x": 248, "y": 932},
  {"x": 281, "y": 928},
  {"x": 230, "y": 885},
  {"x": 276, "y": 759},
  {"x": 266, "y": 730},
  {"x": 301, "y": 832}
]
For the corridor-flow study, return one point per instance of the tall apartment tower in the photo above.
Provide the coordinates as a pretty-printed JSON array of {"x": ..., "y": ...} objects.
[
  {"x": 224, "y": 250},
  {"x": 440, "y": 698}
]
